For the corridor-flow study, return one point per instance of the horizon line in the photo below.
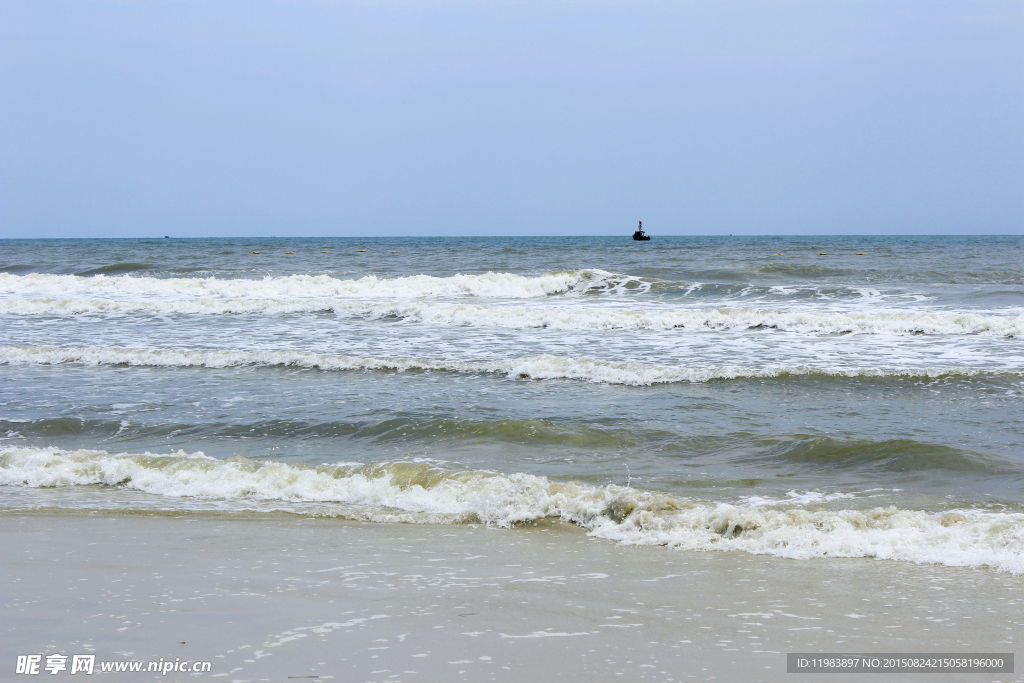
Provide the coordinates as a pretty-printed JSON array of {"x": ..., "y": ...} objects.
[{"x": 622, "y": 235}]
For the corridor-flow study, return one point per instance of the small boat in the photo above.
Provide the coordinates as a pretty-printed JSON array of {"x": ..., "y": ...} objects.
[{"x": 640, "y": 235}]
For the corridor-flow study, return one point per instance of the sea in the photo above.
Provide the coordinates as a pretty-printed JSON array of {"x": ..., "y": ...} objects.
[{"x": 801, "y": 397}]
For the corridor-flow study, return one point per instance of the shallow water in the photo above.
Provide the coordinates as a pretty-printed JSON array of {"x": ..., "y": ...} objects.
[{"x": 738, "y": 394}]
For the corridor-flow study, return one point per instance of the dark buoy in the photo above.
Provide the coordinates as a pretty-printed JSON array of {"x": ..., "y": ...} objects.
[
  {"x": 167, "y": 237},
  {"x": 640, "y": 235}
]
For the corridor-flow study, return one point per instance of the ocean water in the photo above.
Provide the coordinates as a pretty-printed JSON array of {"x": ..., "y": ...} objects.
[{"x": 799, "y": 397}]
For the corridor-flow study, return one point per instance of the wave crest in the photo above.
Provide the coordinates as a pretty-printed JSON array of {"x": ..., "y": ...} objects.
[
  {"x": 124, "y": 287},
  {"x": 543, "y": 366},
  {"x": 557, "y": 318},
  {"x": 421, "y": 492}
]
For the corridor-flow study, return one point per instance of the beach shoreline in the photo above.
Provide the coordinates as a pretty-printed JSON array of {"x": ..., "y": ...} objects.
[{"x": 268, "y": 597}]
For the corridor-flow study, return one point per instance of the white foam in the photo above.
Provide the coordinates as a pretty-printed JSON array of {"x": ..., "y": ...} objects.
[
  {"x": 291, "y": 287},
  {"x": 547, "y": 634},
  {"x": 796, "y": 497},
  {"x": 411, "y": 492},
  {"x": 542, "y": 366},
  {"x": 569, "y": 318}
]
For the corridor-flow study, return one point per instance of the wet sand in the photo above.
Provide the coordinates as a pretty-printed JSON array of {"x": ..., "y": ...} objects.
[{"x": 275, "y": 597}]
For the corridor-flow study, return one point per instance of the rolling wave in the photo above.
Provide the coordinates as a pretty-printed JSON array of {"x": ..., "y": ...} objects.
[
  {"x": 543, "y": 366},
  {"x": 531, "y": 431},
  {"x": 501, "y": 285},
  {"x": 892, "y": 455},
  {"x": 419, "y": 492},
  {"x": 557, "y": 318}
]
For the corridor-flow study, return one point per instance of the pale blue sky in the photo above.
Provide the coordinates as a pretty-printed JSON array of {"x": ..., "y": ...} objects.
[{"x": 132, "y": 118}]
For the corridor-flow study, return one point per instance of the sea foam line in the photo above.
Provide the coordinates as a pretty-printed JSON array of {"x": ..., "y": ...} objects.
[
  {"x": 130, "y": 287},
  {"x": 420, "y": 492},
  {"x": 575, "y": 318},
  {"x": 538, "y": 367}
]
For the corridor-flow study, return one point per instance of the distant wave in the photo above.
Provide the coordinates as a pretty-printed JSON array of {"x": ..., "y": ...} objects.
[
  {"x": 418, "y": 492},
  {"x": 558, "y": 318},
  {"x": 124, "y": 287},
  {"x": 534, "y": 367},
  {"x": 115, "y": 269}
]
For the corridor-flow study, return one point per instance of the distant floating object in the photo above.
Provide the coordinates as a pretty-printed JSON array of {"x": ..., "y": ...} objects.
[
  {"x": 778, "y": 254},
  {"x": 640, "y": 235},
  {"x": 360, "y": 251},
  {"x": 289, "y": 252},
  {"x": 822, "y": 253},
  {"x": 254, "y": 252},
  {"x": 167, "y": 237},
  {"x": 325, "y": 252},
  {"x": 860, "y": 253},
  {"x": 396, "y": 252}
]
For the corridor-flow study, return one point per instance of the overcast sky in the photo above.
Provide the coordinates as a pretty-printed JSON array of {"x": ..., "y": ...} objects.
[{"x": 491, "y": 117}]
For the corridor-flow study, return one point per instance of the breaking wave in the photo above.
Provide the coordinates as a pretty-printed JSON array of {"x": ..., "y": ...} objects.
[
  {"x": 543, "y": 366},
  {"x": 502, "y": 285},
  {"x": 421, "y": 492},
  {"x": 557, "y": 318}
]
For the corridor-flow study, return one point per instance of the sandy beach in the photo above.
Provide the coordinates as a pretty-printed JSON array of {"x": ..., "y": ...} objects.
[{"x": 275, "y": 597}]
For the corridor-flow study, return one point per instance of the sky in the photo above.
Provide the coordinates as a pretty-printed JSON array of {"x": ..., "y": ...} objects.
[{"x": 190, "y": 118}]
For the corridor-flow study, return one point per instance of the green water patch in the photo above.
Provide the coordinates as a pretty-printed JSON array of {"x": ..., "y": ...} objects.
[
  {"x": 802, "y": 270},
  {"x": 637, "y": 444},
  {"x": 402, "y": 429},
  {"x": 528, "y": 432},
  {"x": 824, "y": 453},
  {"x": 433, "y": 430},
  {"x": 57, "y": 427},
  {"x": 895, "y": 455}
]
